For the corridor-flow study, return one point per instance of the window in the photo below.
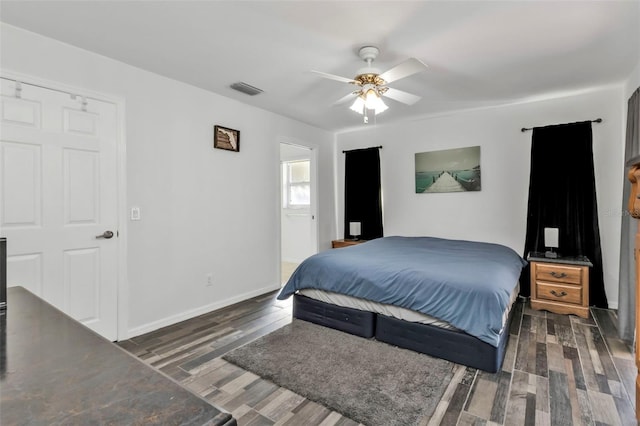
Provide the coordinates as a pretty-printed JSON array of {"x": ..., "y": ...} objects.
[{"x": 296, "y": 183}]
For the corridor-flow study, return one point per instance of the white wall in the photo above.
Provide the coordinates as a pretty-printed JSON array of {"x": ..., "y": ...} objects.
[
  {"x": 498, "y": 212},
  {"x": 632, "y": 83},
  {"x": 203, "y": 209}
]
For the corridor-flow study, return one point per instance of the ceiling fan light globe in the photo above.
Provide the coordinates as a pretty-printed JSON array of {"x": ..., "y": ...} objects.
[
  {"x": 374, "y": 102},
  {"x": 381, "y": 106},
  {"x": 358, "y": 105},
  {"x": 370, "y": 98}
]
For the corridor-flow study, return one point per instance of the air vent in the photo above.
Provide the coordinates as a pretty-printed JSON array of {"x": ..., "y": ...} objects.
[{"x": 246, "y": 88}]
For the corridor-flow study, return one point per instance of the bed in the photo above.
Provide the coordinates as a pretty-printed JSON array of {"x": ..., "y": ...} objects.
[{"x": 447, "y": 298}]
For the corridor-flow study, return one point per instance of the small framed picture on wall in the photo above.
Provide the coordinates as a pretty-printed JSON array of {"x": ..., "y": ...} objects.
[{"x": 225, "y": 138}]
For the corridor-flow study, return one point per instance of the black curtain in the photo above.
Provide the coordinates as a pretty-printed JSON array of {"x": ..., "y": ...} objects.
[
  {"x": 362, "y": 196},
  {"x": 562, "y": 194}
]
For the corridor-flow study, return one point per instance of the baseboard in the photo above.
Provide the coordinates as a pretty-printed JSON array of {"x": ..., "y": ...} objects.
[{"x": 173, "y": 319}]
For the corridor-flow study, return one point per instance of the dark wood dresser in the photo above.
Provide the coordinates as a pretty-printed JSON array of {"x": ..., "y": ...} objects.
[{"x": 54, "y": 370}]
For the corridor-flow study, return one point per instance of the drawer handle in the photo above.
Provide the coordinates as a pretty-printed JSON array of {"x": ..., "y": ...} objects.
[
  {"x": 558, "y": 275},
  {"x": 556, "y": 294}
]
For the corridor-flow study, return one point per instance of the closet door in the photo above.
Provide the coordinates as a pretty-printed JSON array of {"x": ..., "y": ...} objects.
[{"x": 58, "y": 201}]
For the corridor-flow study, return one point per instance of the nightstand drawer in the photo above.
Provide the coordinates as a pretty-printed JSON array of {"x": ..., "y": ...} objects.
[
  {"x": 559, "y": 293},
  {"x": 559, "y": 273}
]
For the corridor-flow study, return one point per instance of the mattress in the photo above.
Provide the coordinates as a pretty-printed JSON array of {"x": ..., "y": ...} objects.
[{"x": 390, "y": 310}]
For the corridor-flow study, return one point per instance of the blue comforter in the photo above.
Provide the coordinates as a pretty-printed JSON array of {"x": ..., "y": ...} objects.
[{"x": 466, "y": 283}]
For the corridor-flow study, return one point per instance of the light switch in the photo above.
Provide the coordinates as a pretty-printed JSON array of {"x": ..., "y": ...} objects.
[{"x": 135, "y": 213}]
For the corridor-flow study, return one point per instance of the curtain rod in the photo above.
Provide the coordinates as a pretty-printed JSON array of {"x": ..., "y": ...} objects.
[
  {"x": 597, "y": 120},
  {"x": 362, "y": 149}
]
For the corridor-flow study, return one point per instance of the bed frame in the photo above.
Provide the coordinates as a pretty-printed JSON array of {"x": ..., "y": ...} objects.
[{"x": 452, "y": 345}]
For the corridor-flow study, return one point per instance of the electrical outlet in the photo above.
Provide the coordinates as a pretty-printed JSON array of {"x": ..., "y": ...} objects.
[{"x": 209, "y": 279}]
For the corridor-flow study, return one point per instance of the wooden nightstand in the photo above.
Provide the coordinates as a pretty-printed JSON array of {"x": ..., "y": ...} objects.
[
  {"x": 560, "y": 285},
  {"x": 345, "y": 243}
]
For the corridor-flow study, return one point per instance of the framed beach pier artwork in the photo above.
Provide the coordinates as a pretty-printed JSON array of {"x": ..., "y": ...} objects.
[{"x": 449, "y": 170}]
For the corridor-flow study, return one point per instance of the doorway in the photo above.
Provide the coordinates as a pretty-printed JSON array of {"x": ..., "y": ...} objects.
[
  {"x": 298, "y": 195},
  {"x": 59, "y": 199}
]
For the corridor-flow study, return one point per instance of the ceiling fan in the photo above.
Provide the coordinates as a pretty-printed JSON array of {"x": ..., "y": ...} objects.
[{"x": 372, "y": 85}]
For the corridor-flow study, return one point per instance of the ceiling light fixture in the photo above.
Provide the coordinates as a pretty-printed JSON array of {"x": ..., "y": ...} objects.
[
  {"x": 369, "y": 100},
  {"x": 372, "y": 85}
]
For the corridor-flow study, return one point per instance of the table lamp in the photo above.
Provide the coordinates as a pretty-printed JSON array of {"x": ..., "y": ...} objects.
[
  {"x": 551, "y": 242},
  {"x": 354, "y": 230}
]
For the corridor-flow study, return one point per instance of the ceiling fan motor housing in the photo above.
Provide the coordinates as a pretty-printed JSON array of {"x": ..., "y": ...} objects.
[
  {"x": 368, "y": 78},
  {"x": 368, "y": 53}
]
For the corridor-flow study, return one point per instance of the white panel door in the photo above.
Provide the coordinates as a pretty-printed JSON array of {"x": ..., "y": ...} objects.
[
  {"x": 58, "y": 193},
  {"x": 298, "y": 226}
]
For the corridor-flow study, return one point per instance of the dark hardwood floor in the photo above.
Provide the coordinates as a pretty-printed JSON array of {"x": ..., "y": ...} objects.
[{"x": 558, "y": 370}]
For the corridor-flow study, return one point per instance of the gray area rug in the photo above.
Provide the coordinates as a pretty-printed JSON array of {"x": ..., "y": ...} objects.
[{"x": 368, "y": 381}]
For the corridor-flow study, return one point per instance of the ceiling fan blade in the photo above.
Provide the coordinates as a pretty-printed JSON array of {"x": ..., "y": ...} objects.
[
  {"x": 333, "y": 77},
  {"x": 401, "y": 96},
  {"x": 402, "y": 70},
  {"x": 345, "y": 98}
]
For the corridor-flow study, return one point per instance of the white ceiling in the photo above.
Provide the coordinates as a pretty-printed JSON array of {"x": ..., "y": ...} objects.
[{"x": 480, "y": 53}]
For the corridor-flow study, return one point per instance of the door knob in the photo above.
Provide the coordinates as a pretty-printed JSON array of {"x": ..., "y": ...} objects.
[{"x": 106, "y": 235}]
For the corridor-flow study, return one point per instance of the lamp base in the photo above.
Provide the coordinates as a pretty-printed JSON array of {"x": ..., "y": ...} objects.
[{"x": 550, "y": 254}]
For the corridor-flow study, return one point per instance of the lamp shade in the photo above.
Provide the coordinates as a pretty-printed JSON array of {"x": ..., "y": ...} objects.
[
  {"x": 354, "y": 229},
  {"x": 551, "y": 237},
  {"x": 374, "y": 102},
  {"x": 370, "y": 100},
  {"x": 358, "y": 105}
]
